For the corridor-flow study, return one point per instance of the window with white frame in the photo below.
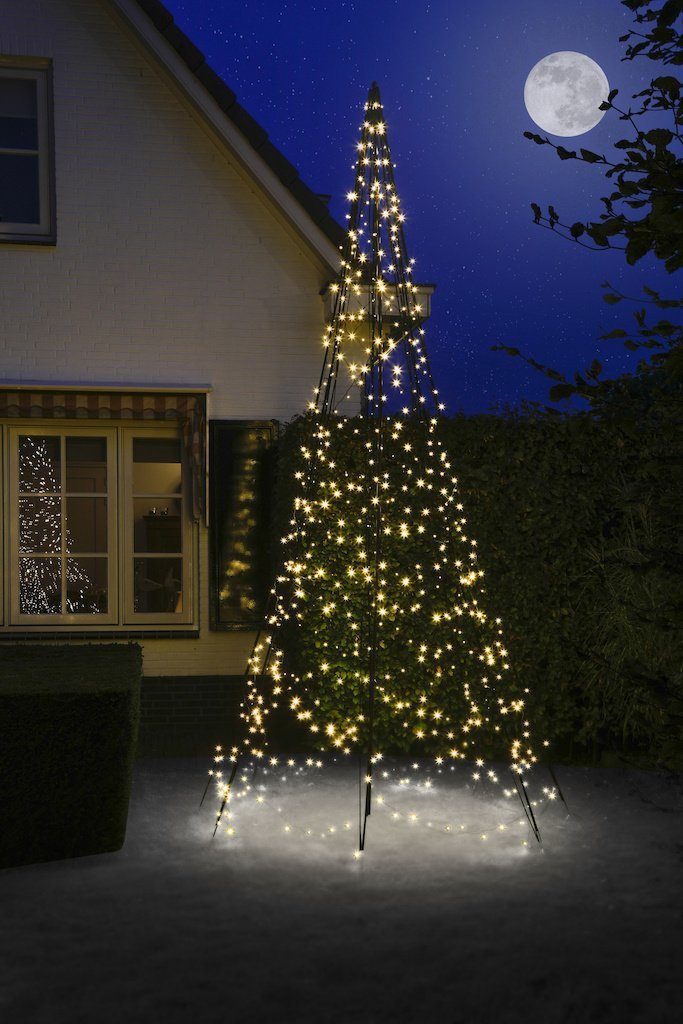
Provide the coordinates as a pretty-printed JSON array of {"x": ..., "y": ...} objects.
[
  {"x": 156, "y": 580},
  {"x": 26, "y": 159},
  {"x": 97, "y": 531}
]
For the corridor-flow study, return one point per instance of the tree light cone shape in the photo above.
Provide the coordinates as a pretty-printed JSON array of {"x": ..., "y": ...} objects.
[
  {"x": 563, "y": 93},
  {"x": 382, "y": 634},
  {"x": 379, "y": 633}
]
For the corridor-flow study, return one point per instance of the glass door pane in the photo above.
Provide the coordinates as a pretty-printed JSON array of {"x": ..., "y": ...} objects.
[
  {"x": 157, "y": 509},
  {"x": 63, "y": 524},
  {"x": 86, "y": 525},
  {"x": 157, "y": 467},
  {"x": 40, "y": 524},
  {"x": 158, "y": 585},
  {"x": 40, "y": 586},
  {"x": 86, "y": 465},
  {"x": 40, "y": 464},
  {"x": 157, "y": 526},
  {"x": 18, "y": 113},
  {"x": 19, "y": 155},
  {"x": 86, "y": 586},
  {"x": 19, "y": 188},
  {"x": 86, "y": 542}
]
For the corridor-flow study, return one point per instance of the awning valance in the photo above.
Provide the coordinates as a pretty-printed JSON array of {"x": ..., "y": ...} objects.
[{"x": 188, "y": 409}]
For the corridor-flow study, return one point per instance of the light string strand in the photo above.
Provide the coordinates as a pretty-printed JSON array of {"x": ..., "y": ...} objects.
[{"x": 382, "y": 300}]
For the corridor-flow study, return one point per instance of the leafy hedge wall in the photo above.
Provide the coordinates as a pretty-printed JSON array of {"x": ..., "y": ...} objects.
[
  {"x": 68, "y": 721},
  {"x": 578, "y": 525}
]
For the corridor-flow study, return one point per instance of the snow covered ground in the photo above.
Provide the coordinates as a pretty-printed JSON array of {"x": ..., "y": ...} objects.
[{"x": 433, "y": 923}]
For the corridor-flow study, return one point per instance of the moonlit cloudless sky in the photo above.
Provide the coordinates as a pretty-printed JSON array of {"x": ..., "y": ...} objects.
[{"x": 452, "y": 79}]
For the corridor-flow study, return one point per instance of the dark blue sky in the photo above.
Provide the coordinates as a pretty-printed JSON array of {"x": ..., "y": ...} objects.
[{"x": 452, "y": 77}]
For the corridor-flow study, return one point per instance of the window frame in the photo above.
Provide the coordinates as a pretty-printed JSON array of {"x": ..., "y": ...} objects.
[
  {"x": 38, "y": 69},
  {"x": 120, "y": 533},
  {"x": 129, "y": 615},
  {"x": 18, "y": 618}
]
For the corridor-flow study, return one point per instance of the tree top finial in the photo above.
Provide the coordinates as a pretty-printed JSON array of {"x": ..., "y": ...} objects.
[{"x": 373, "y": 100}]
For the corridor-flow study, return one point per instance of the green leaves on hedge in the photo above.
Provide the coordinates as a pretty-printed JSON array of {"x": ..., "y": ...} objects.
[{"x": 566, "y": 511}]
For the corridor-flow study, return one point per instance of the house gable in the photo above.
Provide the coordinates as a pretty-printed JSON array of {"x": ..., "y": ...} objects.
[
  {"x": 183, "y": 263},
  {"x": 246, "y": 140},
  {"x": 171, "y": 266}
]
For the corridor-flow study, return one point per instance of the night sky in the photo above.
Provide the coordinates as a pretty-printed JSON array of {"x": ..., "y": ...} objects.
[{"x": 452, "y": 79}]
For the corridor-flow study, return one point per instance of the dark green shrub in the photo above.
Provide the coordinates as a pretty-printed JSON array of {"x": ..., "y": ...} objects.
[{"x": 68, "y": 721}]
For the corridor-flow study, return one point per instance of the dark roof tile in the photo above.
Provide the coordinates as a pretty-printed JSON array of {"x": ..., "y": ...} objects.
[
  {"x": 316, "y": 210},
  {"x": 222, "y": 93},
  {"x": 247, "y": 125},
  {"x": 257, "y": 136},
  {"x": 286, "y": 172},
  {"x": 159, "y": 15},
  {"x": 333, "y": 229},
  {"x": 184, "y": 47}
]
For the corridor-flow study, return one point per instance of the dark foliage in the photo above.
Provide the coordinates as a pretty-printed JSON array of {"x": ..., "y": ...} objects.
[
  {"x": 628, "y": 639},
  {"x": 643, "y": 212},
  {"x": 580, "y": 535},
  {"x": 578, "y": 517},
  {"x": 68, "y": 721},
  {"x": 578, "y": 529}
]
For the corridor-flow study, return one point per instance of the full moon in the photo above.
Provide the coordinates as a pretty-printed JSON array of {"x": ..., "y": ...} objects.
[{"x": 563, "y": 91}]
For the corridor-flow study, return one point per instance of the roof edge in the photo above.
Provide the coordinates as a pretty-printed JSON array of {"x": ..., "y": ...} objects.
[{"x": 151, "y": 17}]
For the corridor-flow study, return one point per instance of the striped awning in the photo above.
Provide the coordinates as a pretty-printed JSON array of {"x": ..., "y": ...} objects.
[{"x": 188, "y": 409}]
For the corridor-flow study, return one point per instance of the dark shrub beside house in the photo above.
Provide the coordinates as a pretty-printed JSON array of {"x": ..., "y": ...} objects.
[{"x": 68, "y": 722}]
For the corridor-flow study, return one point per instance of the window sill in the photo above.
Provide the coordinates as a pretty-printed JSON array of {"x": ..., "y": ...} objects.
[
  {"x": 18, "y": 239},
  {"x": 239, "y": 627},
  {"x": 100, "y": 634}
]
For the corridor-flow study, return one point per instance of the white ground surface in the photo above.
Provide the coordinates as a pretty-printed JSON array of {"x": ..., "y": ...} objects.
[{"x": 428, "y": 926}]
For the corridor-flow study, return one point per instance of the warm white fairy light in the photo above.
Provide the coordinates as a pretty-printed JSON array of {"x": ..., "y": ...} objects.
[
  {"x": 266, "y": 790},
  {"x": 383, "y": 480}
]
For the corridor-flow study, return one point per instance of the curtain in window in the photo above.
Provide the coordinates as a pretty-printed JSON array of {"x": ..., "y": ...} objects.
[{"x": 188, "y": 410}]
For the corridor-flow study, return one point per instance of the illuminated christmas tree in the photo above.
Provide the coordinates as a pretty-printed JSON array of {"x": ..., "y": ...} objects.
[
  {"x": 41, "y": 531},
  {"x": 382, "y": 636}
]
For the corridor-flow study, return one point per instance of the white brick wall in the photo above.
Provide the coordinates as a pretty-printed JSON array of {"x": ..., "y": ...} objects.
[{"x": 168, "y": 268}]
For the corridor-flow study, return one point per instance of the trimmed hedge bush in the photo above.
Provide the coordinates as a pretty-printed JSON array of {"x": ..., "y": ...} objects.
[
  {"x": 578, "y": 522},
  {"x": 68, "y": 722}
]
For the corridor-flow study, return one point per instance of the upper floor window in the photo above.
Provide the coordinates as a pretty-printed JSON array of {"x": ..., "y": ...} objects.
[{"x": 26, "y": 160}]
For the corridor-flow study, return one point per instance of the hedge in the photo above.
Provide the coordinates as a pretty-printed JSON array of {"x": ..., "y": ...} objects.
[
  {"x": 68, "y": 720},
  {"x": 577, "y": 519}
]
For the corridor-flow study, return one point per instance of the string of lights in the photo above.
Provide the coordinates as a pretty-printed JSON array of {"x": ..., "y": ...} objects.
[
  {"x": 263, "y": 787},
  {"x": 379, "y": 636}
]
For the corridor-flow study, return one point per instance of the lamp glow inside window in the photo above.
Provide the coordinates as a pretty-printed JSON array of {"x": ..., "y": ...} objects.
[{"x": 26, "y": 201}]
